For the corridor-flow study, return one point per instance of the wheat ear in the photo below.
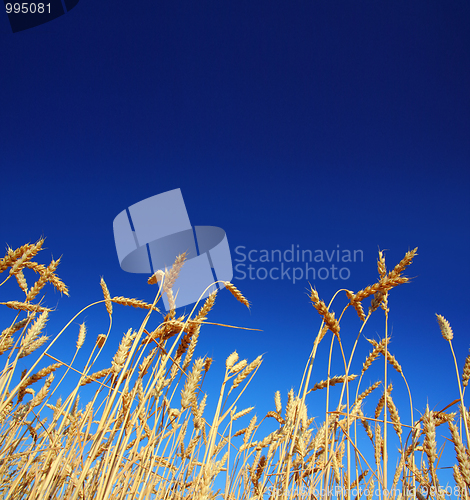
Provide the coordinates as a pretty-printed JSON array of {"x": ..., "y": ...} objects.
[{"x": 236, "y": 293}]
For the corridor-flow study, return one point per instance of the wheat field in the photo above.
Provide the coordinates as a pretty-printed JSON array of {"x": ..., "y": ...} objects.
[{"x": 145, "y": 432}]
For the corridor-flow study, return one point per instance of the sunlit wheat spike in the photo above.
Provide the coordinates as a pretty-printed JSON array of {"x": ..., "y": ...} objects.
[
  {"x": 168, "y": 329},
  {"x": 356, "y": 303},
  {"x": 379, "y": 298},
  {"x": 183, "y": 345},
  {"x": 270, "y": 438},
  {"x": 381, "y": 403},
  {"x": 366, "y": 425},
  {"x": 381, "y": 268},
  {"x": 27, "y": 255},
  {"x": 236, "y": 293},
  {"x": 121, "y": 354},
  {"x": 231, "y": 360},
  {"x": 44, "y": 372},
  {"x": 37, "y": 400},
  {"x": 219, "y": 446},
  {"x": 239, "y": 366},
  {"x": 390, "y": 357},
  {"x": 250, "y": 429},
  {"x": 277, "y": 402},
  {"x": 101, "y": 340},
  {"x": 81, "y": 336},
  {"x": 207, "y": 364},
  {"x": 191, "y": 349},
  {"x": 336, "y": 379},
  {"x": 398, "y": 472},
  {"x": 21, "y": 280},
  {"x": 459, "y": 479},
  {"x": 12, "y": 256},
  {"x": 466, "y": 371},
  {"x": 321, "y": 335},
  {"x": 24, "y": 306},
  {"x": 328, "y": 317},
  {"x": 33, "y": 346},
  {"x": 156, "y": 277},
  {"x": 404, "y": 263},
  {"x": 462, "y": 454},
  {"x": 370, "y": 488},
  {"x": 444, "y": 325},
  {"x": 35, "y": 329},
  {"x": 107, "y": 297},
  {"x": 6, "y": 337},
  {"x": 147, "y": 362},
  {"x": 48, "y": 275},
  {"x": 290, "y": 406},
  {"x": 191, "y": 446},
  {"x": 171, "y": 302},
  {"x": 359, "y": 479},
  {"x": 259, "y": 470},
  {"x": 383, "y": 285},
  {"x": 198, "y": 412},
  {"x": 393, "y": 362},
  {"x": 96, "y": 376},
  {"x": 208, "y": 305},
  {"x": 336, "y": 459},
  {"x": 420, "y": 476},
  {"x": 379, "y": 442},
  {"x": 442, "y": 418},
  {"x": 273, "y": 414},
  {"x": 242, "y": 376},
  {"x": 394, "y": 415},
  {"x": 6, "y": 343},
  {"x": 368, "y": 391},
  {"x": 5, "y": 412},
  {"x": 134, "y": 303},
  {"x": 172, "y": 274},
  {"x": 360, "y": 310},
  {"x": 379, "y": 348},
  {"x": 238, "y": 433},
  {"x": 58, "y": 284},
  {"x": 17, "y": 326},
  {"x": 242, "y": 413},
  {"x": 188, "y": 394},
  {"x": 429, "y": 444},
  {"x": 314, "y": 297},
  {"x": 41, "y": 282}
]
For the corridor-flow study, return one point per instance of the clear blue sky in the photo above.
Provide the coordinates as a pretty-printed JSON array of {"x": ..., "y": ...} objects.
[{"x": 285, "y": 123}]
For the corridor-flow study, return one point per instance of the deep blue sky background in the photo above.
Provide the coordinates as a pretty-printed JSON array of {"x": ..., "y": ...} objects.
[{"x": 313, "y": 123}]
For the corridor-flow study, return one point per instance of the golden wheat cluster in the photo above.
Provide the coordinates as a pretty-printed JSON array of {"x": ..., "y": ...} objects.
[{"x": 145, "y": 432}]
